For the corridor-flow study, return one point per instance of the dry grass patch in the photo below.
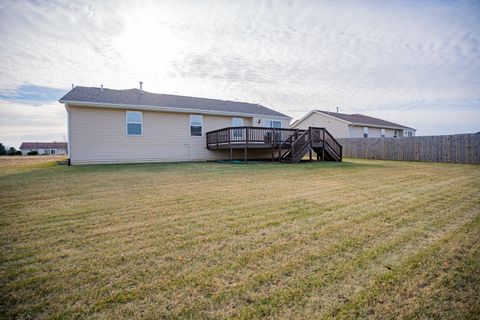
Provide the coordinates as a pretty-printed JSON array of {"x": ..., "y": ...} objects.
[{"x": 208, "y": 240}]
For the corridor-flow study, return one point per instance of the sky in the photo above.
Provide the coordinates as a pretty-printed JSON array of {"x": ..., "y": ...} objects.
[{"x": 416, "y": 63}]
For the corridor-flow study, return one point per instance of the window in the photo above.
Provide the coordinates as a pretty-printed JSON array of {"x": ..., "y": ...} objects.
[
  {"x": 237, "y": 122},
  {"x": 196, "y": 124},
  {"x": 274, "y": 123},
  {"x": 382, "y": 133},
  {"x": 52, "y": 151},
  {"x": 365, "y": 132},
  {"x": 237, "y": 133},
  {"x": 410, "y": 133},
  {"x": 134, "y": 123}
]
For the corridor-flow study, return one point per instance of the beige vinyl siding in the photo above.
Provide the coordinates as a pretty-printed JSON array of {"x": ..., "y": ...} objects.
[
  {"x": 338, "y": 128},
  {"x": 357, "y": 132},
  {"x": 263, "y": 121},
  {"x": 98, "y": 135}
]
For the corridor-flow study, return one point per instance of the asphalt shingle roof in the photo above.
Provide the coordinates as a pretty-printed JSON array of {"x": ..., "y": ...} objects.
[
  {"x": 363, "y": 119},
  {"x": 136, "y": 97}
]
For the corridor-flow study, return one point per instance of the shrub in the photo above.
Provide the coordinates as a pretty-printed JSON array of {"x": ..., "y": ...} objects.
[
  {"x": 32, "y": 153},
  {"x": 12, "y": 151},
  {"x": 18, "y": 153}
]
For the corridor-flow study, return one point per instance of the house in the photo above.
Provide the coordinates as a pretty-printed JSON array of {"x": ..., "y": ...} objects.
[
  {"x": 133, "y": 125},
  {"x": 342, "y": 125},
  {"x": 44, "y": 148}
]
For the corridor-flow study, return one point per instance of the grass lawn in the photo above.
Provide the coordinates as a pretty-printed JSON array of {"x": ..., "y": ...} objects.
[{"x": 362, "y": 238}]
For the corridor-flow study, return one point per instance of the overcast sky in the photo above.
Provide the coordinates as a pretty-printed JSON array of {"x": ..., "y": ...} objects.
[{"x": 416, "y": 63}]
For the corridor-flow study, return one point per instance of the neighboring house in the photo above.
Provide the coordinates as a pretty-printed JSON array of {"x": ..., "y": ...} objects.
[
  {"x": 342, "y": 125},
  {"x": 115, "y": 126},
  {"x": 44, "y": 148}
]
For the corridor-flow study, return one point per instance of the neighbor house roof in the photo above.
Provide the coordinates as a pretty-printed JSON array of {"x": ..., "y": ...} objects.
[
  {"x": 358, "y": 120},
  {"x": 43, "y": 145},
  {"x": 146, "y": 100}
]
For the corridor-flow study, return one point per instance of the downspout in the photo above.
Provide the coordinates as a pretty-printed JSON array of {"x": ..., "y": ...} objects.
[{"x": 68, "y": 134}]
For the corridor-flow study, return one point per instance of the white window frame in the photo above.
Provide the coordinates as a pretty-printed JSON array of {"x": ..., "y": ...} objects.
[
  {"x": 271, "y": 121},
  {"x": 365, "y": 132},
  {"x": 238, "y": 118},
  {"x": 140, "y": 123},
  {"x": 190, "y": 125}
]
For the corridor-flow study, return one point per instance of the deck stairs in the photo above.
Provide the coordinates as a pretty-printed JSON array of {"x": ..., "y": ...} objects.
[{"x": 303, "y": 142}]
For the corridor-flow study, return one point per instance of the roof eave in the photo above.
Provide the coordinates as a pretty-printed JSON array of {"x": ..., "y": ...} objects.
[
  {"x": 381, "y": 126},
  {"x": 167, "y": 109}
]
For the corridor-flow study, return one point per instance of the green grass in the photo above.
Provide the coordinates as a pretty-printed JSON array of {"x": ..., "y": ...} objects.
[{"x": 358, "y": 239}]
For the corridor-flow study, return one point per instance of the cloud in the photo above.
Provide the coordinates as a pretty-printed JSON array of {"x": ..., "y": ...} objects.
[
  {"x": 24, "y": 122},
  {"x": 366, "y": 56},
  {"x": 32, "y": 94}
]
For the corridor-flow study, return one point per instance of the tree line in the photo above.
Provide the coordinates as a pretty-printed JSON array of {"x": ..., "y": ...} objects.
[{"x": 8, "y": 152}]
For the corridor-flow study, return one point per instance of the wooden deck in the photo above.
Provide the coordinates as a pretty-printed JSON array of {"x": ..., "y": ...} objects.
[{"x": 287, "y": 145}]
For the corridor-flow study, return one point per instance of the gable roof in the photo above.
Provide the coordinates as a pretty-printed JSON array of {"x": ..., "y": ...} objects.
[
  {"x": 155, "y": 101},
  {"x": 43, "y": 145},
  {"x": 360, "y": 119}
]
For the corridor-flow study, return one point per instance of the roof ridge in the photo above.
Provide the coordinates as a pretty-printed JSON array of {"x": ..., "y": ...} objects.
[
  {"x": 174, "y": 95},
  {"x": 132, "y": 97}
]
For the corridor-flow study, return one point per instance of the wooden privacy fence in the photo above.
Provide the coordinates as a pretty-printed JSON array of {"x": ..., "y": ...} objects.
[{"x": 457, "y": 148}]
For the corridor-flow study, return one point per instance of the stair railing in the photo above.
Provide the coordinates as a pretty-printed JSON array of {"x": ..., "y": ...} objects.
[
  {"x": 333, "y": 144},
  {"x": 284, "y": 144},
  {"x": 299, "y": 145}
]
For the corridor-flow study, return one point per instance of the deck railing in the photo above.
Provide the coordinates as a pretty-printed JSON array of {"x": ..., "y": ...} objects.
[
  {"x": 296, "y": 141},
  {"x": 248, "y": 136}
]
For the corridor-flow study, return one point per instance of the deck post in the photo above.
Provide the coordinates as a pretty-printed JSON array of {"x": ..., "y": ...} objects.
[
  {"x": 323, "y": 146},
  {"x": 292, "y": 151},
  {"x": 273, "y": 144},
  {"x": 246, "y": 143},
  {"x": 310, "y": 154},
  {"x": 230, "y": 144}
]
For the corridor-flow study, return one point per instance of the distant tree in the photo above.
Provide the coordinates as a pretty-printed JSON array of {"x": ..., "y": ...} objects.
[
  {"x": 3, "y": 150},
  {"x": 12, "y": 151},
  {"x": 18, "y": 153}
]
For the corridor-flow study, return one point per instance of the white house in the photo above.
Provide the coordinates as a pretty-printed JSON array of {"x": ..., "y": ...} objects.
[
  {"x": 342, "y": 125},
  {"x": 117, "y": 126},
  {"x": 44, "y": 148}
]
